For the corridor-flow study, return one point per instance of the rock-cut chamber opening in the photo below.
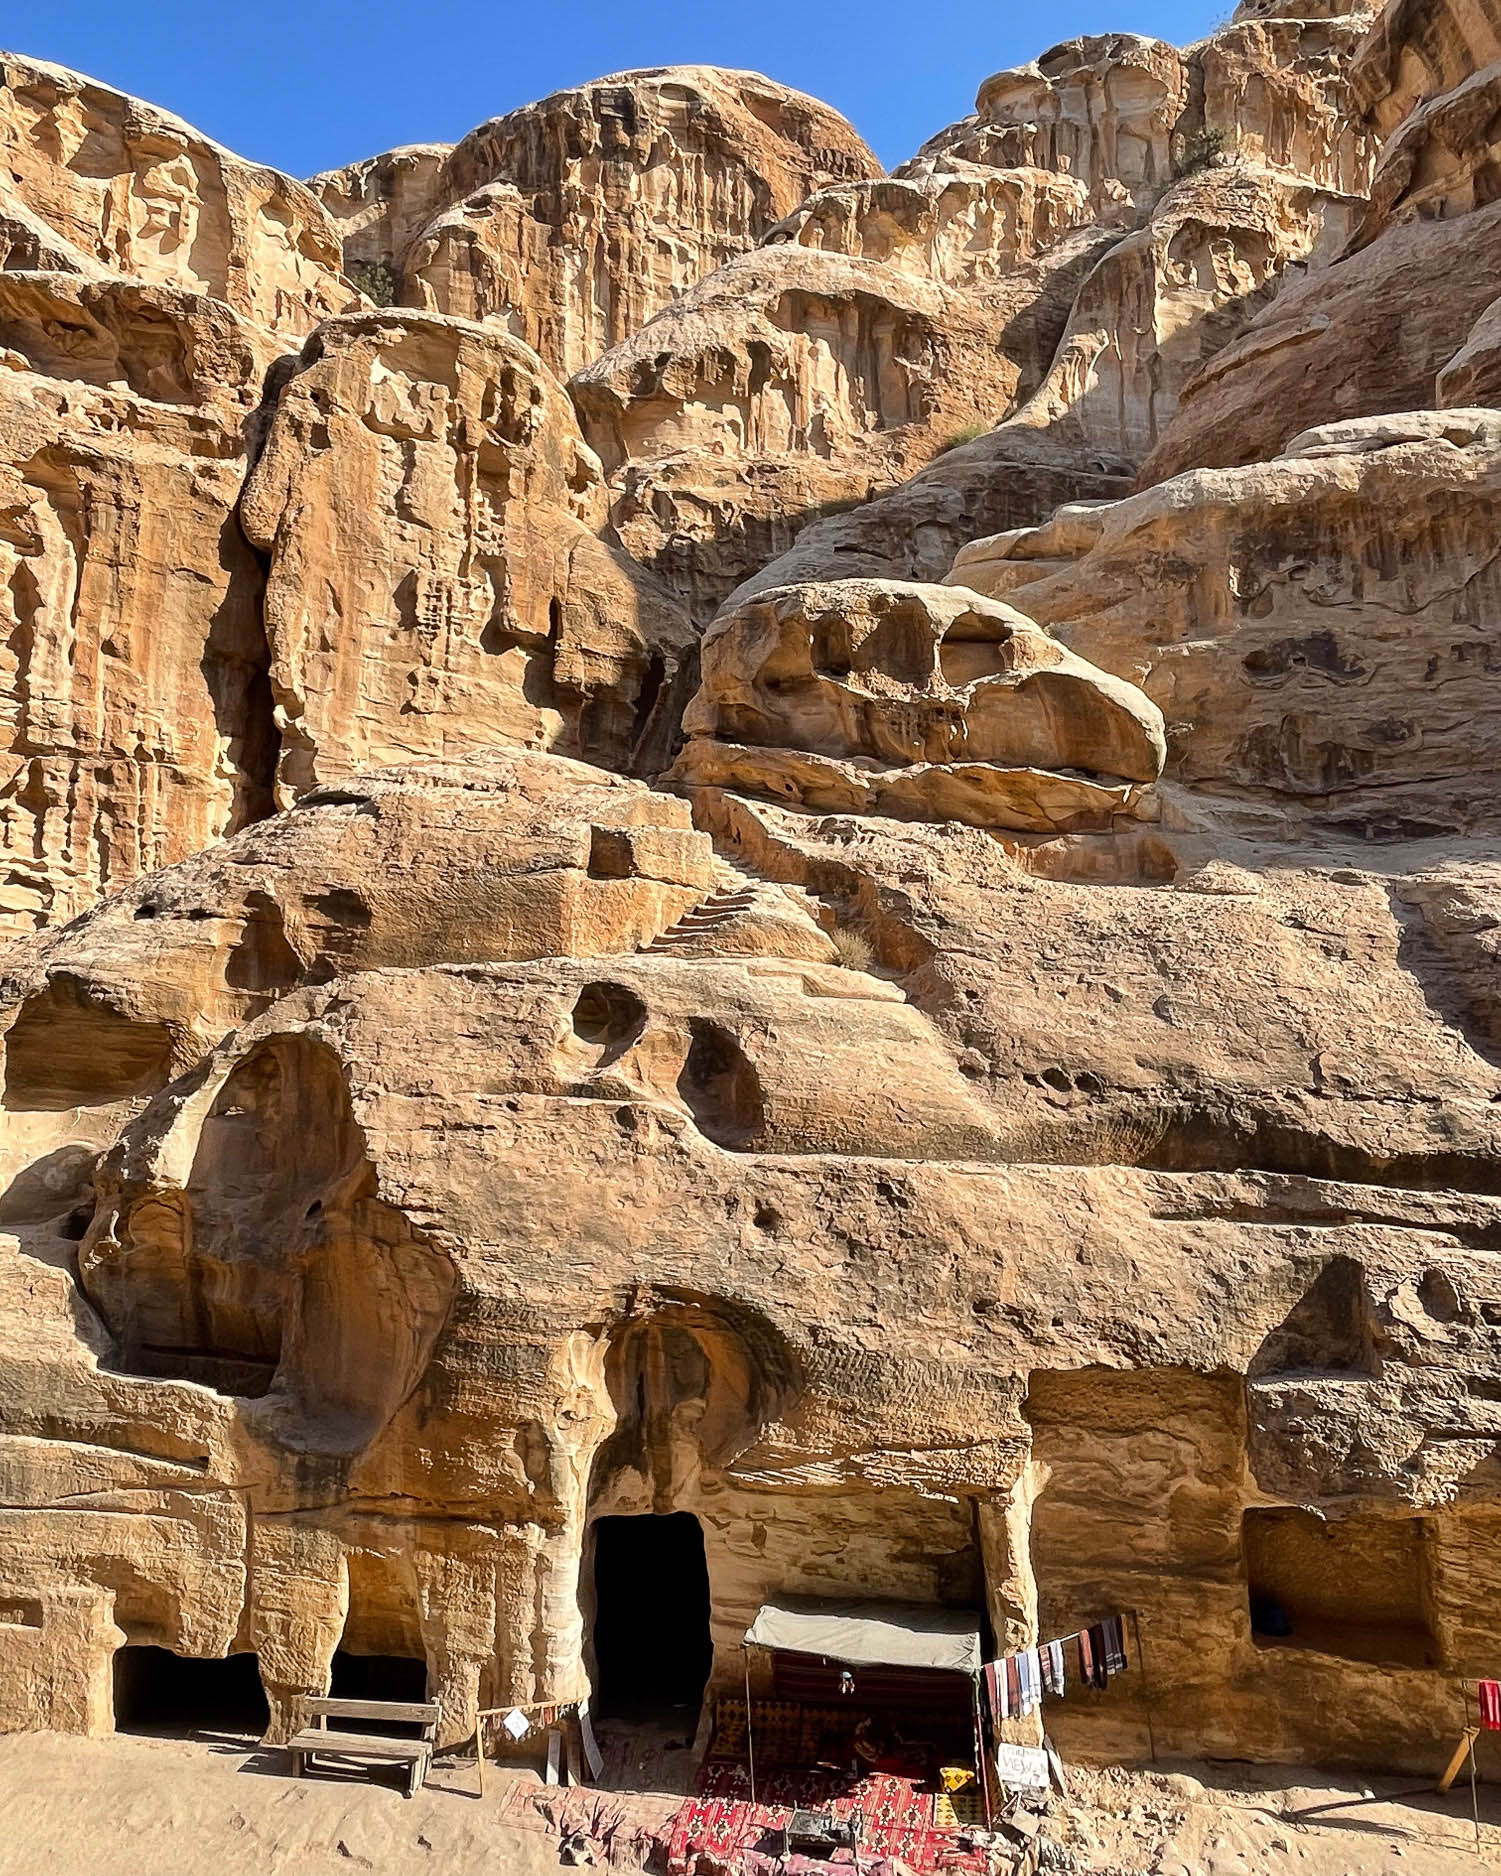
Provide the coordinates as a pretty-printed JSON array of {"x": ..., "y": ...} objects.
[
  {"x": 652, "y": 1645},
  {"x": 157, "y": 1691},
  {"x": 1355, "y": 1588}
]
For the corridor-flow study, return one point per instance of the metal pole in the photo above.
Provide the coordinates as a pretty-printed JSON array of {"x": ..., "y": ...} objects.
[
  {"x": 1474, "y": 1800},
  {"x": 980, "y": 1766},
  {"x": 750, "y": 1749},
  {"x": 1146, "y": 1683}
]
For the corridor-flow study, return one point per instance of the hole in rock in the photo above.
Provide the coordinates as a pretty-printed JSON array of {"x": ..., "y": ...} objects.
[
  {"x": 1330, "y": 1330},
  {"x": 651, "y": 1616},
  {"x": 263, "y": 961},
  {"x": 720, "y": 1088},
  {"x": 609, "y": 1017},
  {"x": 1355, "y": 1588},
  {"x": 157, "y": 1691}
]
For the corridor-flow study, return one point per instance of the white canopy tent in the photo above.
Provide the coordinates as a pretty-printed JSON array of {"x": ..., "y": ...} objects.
[
  {"x": 870, "y": 1634},
  {"x": 860, "y": 1632}
]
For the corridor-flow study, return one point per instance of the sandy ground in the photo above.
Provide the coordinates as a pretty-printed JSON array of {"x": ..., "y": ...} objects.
[{"x": 132, "y": 1806}]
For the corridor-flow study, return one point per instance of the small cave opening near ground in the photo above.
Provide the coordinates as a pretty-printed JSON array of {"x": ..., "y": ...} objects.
[
  {"x": 652, "y": 1645},
  {"x": 156, "y": 1691}
]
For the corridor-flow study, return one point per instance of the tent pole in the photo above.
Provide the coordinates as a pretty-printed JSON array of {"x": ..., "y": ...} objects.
[
  {"x": 1146, "y": 1684},
  {"x": 750, "y": 1748},
  {"x": 1474, "y": 1799},
  {"x": 980, "y": 1766}
]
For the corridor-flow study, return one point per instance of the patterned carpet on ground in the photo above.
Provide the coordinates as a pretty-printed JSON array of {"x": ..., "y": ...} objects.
[{"x": 720, "y": 1832}]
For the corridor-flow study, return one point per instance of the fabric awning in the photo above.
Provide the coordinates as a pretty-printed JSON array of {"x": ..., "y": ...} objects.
[{"x": 871, "y": 1634}]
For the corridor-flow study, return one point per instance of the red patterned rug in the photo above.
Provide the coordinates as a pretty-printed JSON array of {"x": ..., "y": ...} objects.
[{"x": 713, "y": 1833}]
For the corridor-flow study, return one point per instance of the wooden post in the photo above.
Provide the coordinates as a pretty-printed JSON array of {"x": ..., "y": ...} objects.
[
  {"x": 479, "y": 1748},
  {"x": 1146, "y": 1684},
  {"x": 750, "y": 1749},
  {"x": 982, "y": 1771}
]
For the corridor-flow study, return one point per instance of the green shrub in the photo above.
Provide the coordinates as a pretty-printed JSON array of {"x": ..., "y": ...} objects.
[
  {"x": 966, "y": 435},
  {"x": 375, "y": 279},
  {"x": 1198, "y": 150}
]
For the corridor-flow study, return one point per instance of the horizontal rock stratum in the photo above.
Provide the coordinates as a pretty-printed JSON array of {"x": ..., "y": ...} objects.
[{"x": 688, "y": 830}]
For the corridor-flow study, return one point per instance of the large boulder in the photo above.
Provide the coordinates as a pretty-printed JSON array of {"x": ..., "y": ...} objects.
[{"x": 917, "y": 702}]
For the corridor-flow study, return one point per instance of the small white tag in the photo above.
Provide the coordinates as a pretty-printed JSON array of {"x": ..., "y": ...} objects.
[{"x": 517, "y": 1724}]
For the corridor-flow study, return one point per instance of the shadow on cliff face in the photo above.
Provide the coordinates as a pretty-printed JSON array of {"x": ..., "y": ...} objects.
[
  {"x": 694, "y": 1380},
  {"x": 275, "y": 1269}
]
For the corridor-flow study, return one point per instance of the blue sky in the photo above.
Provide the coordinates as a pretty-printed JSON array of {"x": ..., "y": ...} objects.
[{"x": 309, "y": 84}]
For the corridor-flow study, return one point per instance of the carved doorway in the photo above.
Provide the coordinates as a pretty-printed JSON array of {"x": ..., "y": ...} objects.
[{"x": 652, "y": 1646}]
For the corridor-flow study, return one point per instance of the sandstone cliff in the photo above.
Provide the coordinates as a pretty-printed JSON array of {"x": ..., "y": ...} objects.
[{"x": 802, "y": 847}]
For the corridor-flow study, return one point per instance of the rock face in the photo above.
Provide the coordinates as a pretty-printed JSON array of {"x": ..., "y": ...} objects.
[
  {"x": 431, "y": 584},
  {"x": 573, "y": 220},
  {"x": 917, "y": 703},
  {"x": 1372, "y": 334},
  {"x": 136, "y": 723},
  {"x": 1285, "y": 661},
  {"x": 139, "y": 192},
  {"x": 620, "y": 926}
]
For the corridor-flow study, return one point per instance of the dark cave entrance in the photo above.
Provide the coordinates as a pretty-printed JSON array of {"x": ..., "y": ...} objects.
[
  {"x": 156, "y": 1691},
  {"x": 652, "y": 1645},
  {"x": 377, "y": 1677}
]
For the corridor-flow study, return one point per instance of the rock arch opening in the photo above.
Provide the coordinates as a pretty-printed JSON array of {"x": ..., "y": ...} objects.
[{"x": 721, "y": 1089}]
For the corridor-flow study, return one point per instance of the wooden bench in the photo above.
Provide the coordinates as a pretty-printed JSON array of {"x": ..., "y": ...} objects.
[{"x": 320, "y": 1741}]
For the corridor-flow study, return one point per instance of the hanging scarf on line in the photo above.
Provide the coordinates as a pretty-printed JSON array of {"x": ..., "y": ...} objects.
[
  {"x": 1490, "y": 1706},
  {"x": 1015, "y": 1684},
  {"x": 1031, "y": 1679},
  {"x": 995, "y": 1688}
]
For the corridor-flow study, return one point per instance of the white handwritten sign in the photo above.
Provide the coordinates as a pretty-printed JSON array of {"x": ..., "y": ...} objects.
[{"x": 1024, "y": 1767}]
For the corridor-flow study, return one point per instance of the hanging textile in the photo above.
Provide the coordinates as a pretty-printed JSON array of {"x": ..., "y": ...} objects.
[
  {"x": 1016, "y": 1684},
  {"x": 1490, "y": 1706},
  {"x": 1030, "y": 1676}
]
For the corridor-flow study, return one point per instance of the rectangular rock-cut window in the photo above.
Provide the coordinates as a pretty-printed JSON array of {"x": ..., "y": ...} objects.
[{"x": 1354, "y": 1587}]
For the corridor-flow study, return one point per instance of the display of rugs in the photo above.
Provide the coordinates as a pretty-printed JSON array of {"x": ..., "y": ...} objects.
[{"x": 720, "y": 1824}]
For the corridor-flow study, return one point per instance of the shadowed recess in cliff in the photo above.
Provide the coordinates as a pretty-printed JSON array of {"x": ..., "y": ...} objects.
[
  {"x": 68, "y": 1047},
  {"x": 694, "y": 1380},
  {"x": 275, "y": 1268}
]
